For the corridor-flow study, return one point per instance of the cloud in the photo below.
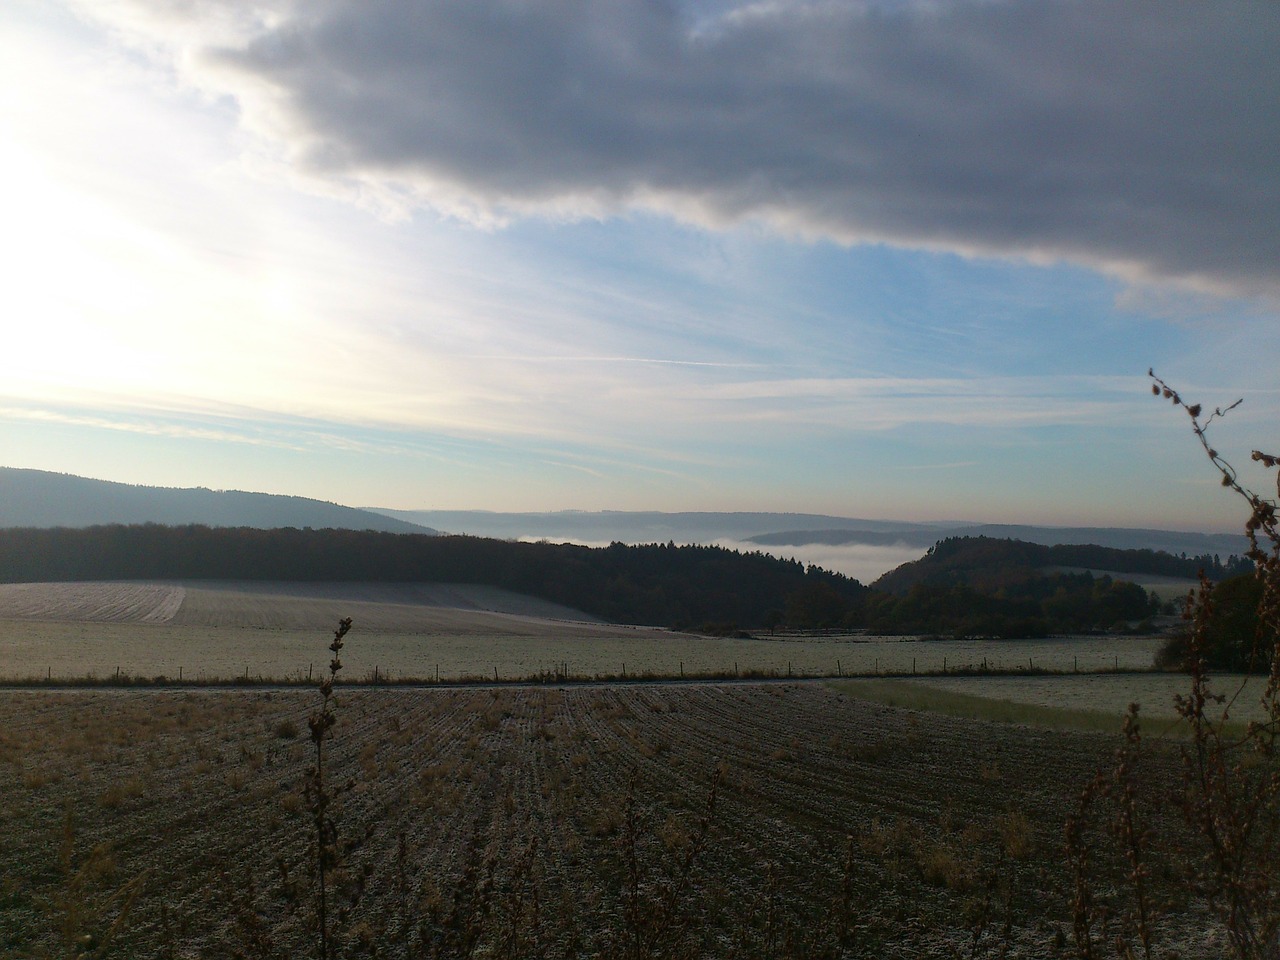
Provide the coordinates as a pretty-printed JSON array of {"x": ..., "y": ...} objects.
[
  {"x": 878, "y": 403},
  {"x": 149, "y": 425},
  {"x": 1139, "y": 139}
]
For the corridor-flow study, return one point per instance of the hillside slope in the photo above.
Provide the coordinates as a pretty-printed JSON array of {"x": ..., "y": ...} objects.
[
  {"x": 39, "y": 498},
  {"x": 416, "y": 608},
  {"x": 989, "y": 564}
]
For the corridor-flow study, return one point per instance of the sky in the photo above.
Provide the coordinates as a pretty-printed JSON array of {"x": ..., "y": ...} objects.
[{"x": 898, "y": 259}]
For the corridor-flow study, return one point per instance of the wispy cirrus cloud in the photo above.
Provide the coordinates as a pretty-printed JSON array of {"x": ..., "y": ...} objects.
[
  {"x": 597, "y": 419},
  {"x": 152, "y": 425}
]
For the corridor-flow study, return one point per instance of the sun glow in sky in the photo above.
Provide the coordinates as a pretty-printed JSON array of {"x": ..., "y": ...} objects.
[{"x": 868, "y": 258}]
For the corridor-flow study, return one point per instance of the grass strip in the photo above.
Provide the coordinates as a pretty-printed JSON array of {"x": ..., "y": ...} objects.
[{"x": 919, "y": 696}]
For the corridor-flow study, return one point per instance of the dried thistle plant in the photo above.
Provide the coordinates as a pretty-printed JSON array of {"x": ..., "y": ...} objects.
[
  {"x": 1229, "y": 796},
  {"x": 319, "y": 797}
]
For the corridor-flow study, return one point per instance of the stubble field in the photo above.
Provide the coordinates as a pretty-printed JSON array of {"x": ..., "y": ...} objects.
[
  {"x": 524, "y": 820},
  {"x": 532, "y": 822}
]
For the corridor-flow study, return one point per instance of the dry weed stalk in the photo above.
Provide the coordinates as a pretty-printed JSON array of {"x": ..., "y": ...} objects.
[
  {"x": 656, "y": 913},
  {"x": 252, "y": 932},
  {"x": 87, "y": 925},
  {"x": 775, "y": 927},
  {"x": 991, "y": 927},
  {"x": 1232, "y": 785},
  {"x": 1229, "y": 795},
  {"x": 319, "y": 797}
]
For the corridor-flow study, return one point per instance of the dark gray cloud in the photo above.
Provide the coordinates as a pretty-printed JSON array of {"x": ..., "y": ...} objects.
[{"x": 1142, "y": 138}]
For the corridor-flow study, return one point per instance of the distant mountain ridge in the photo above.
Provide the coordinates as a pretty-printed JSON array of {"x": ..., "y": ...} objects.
[
  {"x": 632, "y": 526},
  {"x": 40, "y": 498},
  {"x": 1119, "y": 538},
  {"x": 798, "y": 530}
]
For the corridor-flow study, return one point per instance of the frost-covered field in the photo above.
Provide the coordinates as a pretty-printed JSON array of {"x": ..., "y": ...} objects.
[
  {"x": 544, "y": 822},
  {"x": 536, "y": 820},
  {"x": 223, "y": 630}
]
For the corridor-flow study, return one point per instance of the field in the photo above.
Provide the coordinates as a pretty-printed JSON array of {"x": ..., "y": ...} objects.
[
  {"x": 546, "y": 822},
  {"x": 695, "y": 819},
  {"x": 226, "y": 630}
]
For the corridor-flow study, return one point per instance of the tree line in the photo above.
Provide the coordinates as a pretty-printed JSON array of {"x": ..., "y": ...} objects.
[
  {"x": 1036, "y": 607},
  {"x": 706, "y": 588},
  {"x": 659, "y": 584},
  {"x": 989, "y": 563}
]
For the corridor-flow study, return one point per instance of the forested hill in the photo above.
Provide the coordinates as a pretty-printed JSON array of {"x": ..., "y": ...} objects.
[
  {"x": 988, "y": 564},
  {"x": 663, "y": 585}
]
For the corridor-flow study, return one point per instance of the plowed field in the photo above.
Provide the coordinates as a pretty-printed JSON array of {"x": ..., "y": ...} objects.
[{"x": 545, "y": 822}]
